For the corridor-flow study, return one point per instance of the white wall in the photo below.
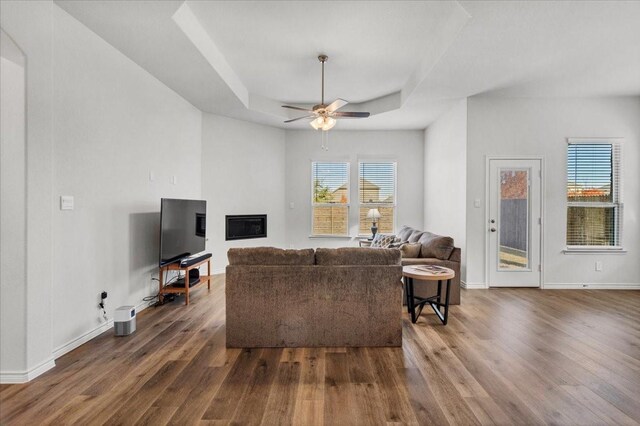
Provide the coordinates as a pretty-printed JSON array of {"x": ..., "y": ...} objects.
[
  {"x": 12, "y": 212},
  {"x": 113, "y": 124},
  {"x": 243, "y": 172},
  {"x": 303, "y": 146},
  {"x": 539, "y": 127},
  {"x": 29, "y": 24},
  {"x": 445, "y": 177}
]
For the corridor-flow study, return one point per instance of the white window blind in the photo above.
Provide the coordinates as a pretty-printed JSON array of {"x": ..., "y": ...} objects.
[
  {"x": 330, "y": 198},
  {"x": 594, "y": 196},
  {"x": 377, "y": 190}
]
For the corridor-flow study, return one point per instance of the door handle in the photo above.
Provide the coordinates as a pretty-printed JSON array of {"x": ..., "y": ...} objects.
[{"x": 493, "y": 229}]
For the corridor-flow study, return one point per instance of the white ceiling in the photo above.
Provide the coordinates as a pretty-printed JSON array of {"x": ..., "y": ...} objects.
[
  {"x": 373, "y": 47},
  {"x": 9, "y": 50},
  {"x": 543, "y": 49},
  {"x": 406, "y": 62}
]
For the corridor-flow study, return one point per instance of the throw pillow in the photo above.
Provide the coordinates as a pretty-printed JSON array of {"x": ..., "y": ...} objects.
[
  {"x": 382, "y": 241},
  {"x": 436, "y": 246},
  {"x": 411, "y": 250},
  {"x": 397, "y": 243}
]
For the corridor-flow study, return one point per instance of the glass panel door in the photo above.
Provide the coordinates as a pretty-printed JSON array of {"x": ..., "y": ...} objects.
[
  {"x": 513, "y": 236},
  {"x": 514, "y": 223}
]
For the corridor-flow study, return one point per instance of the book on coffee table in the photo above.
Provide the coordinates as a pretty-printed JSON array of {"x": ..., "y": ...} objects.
[{"x": 432, "y": 269}]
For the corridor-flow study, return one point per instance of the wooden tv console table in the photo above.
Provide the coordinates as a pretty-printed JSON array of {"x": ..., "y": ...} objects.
[{"x": 186, "y": 289}]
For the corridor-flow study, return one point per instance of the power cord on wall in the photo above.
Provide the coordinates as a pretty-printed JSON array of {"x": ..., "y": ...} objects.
[{"x": 102, "y": 305}]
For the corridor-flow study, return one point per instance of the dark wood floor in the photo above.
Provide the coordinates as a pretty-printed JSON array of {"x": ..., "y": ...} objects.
[{"x": 508, "y": 356}]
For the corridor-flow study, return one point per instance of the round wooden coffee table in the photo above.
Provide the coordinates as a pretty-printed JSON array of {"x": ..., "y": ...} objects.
[{"x": 414, "y": 272}]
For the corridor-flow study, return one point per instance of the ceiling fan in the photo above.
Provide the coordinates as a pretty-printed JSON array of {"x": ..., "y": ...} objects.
[{"x": 324, "y": 116}]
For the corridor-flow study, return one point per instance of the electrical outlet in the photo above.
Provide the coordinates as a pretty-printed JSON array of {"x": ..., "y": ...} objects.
[{"x": 599, "y": 266}]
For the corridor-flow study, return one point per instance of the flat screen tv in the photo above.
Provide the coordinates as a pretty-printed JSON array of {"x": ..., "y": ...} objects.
[{"x": 183, "y": 229}]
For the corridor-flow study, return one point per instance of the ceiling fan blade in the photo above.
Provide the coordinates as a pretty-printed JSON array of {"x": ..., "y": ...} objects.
[
  {"x": 296, "y": 108},
  {"x": 335, "y": 105},
  {"x": 350, "y": 114},
  {"x": 299, "y": 118}
]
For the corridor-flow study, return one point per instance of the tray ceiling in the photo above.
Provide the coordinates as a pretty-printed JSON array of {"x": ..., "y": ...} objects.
[{"x": 406, "y": 62}]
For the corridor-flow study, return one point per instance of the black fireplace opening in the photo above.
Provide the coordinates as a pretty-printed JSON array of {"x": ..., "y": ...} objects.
[{"x": 242, "y": 227}]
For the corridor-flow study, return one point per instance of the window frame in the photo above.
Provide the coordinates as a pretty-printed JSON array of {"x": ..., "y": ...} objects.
[
  {"x": 616, "y": 191},
  {"x": 377, "y": 205},
  {"x": 314, "y": 204}
]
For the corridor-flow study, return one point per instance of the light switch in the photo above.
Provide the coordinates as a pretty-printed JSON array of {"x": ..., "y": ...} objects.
[
  {"x": 174, "y": 179},
  {"x": 476, "y": 203},
  {"x": 66, "y": 202},
  {"x": 292, "y": 205},
  {"x": 152, "y": 176}
]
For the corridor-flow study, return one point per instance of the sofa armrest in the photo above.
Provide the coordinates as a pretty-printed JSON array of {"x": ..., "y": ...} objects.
[{"x": 456, "y": 255}]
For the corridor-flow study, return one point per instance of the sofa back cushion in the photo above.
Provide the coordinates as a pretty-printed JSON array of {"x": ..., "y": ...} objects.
[
  {"x": 405, "y": 232},
  {"x": 270, "y": 256},
  {"x": 415, "y": 236},
  {"x": 357, "y": 256},
  {"x": 435, "y": 246}
]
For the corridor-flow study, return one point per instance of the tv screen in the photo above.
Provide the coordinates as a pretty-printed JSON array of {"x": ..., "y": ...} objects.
[{"x": 183, "y": 226}]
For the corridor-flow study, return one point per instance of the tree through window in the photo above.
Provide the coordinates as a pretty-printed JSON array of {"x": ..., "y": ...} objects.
[{"x": 330, "y": 198}]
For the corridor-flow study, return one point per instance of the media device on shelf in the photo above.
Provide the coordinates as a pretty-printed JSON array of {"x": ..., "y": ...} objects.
[{"x": 183, "y": 226}]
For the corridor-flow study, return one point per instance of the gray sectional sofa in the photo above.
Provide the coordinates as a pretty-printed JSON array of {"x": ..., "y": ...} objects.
[
  {"x": 434, "y": 250},
  {"x": 307, "y": 298}
]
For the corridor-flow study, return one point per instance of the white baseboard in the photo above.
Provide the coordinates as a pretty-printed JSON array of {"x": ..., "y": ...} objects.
[
  {"x": 472, "y": 286},
  {"x": 95, "y": 332},
  {"x": 82, "y": 339},
  {"x": 25, "y": 376},
  {"x": 592, "y": 286},
  {"x": 219, "y": 271},
  {"x": 568, "y": 286},
  {"x": 12, "y": 377}
]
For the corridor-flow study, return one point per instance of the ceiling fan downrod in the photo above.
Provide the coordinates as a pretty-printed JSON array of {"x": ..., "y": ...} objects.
[{"x": 322, "y": 59}]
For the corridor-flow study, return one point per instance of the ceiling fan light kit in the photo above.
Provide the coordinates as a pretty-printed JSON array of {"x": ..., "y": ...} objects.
[
  {"x": 324, "y": 116},
  {"x": 323, "y": 123}
]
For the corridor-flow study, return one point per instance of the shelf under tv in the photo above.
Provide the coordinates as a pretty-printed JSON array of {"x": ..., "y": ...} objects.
[{"x": 187, "y": 286}]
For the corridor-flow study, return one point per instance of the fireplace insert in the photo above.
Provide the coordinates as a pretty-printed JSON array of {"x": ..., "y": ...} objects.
[{"x": 242, "y": 227}]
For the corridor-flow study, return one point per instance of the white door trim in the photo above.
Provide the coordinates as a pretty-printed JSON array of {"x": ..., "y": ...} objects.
[{"x": 488, "y": 159}]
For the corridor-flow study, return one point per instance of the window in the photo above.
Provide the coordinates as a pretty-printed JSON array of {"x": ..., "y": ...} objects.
[
  {"x": 377, "y": 190},
  {"x": 594, "y": 205},
  {"x": 330, "y": 198}
]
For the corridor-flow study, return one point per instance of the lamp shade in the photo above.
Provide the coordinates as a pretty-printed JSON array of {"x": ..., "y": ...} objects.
[{"x": 373, "y": 214}]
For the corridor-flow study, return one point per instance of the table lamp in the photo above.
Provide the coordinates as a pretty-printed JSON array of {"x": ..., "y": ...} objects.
[{"x": 375, "y": 215}]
